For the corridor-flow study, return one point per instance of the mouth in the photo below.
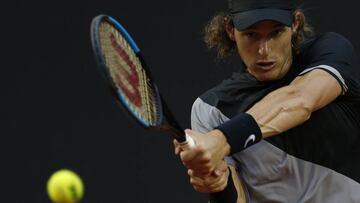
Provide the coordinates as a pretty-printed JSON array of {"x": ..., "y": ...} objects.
[{"x": 265, "y": 65}]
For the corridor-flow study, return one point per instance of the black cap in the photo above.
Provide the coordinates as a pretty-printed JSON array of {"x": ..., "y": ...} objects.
[{"x": 245, "y": 13}]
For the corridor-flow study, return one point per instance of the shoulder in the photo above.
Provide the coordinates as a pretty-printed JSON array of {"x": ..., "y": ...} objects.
[
  {"x": 330, "y": 49},
  {"x": 236, "y": 94},
  {"x": 204, "y": 113},
  {"x": 207, "y": 112},
  {"x": 328, "y": 41},
  {"x": 334, "y": 39},
  {"x": 232, "y": 90},
  {"x": 335, "y": 54},
  {"x": 332, "y": 35},
  {"x": 222, "y": 91}
]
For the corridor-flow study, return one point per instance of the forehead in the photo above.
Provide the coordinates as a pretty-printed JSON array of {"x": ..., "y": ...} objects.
[{"x": 266, "y": 24}]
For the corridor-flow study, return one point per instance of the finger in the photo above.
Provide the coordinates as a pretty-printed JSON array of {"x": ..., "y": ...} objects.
[
  {"x": 189, "y": 132},
  {"x": 217, "y": 173},
  {"x": 201, "y": 176},
  {"x": 187, "y": 155},
  {"x": 210, "y": 183},
  {"x": 200, "y": 167},
  {"x": 221, "y": 168},
  {"x": 176, "y": 147},
  {"x": 197, "y": 182},
  {"x": 177, "y": 150},
  {"x": 201, "y": 189},
  {"x": 201, "y": 173},
  {"x": 204, "y": 180},
  {"x": 200, "y": 186},
  {"x": 190, "y": 173},
  {"x": 220, "y": 184},
  {"x": 191, "y": 159},
  {"x": 209, "y": 169}
]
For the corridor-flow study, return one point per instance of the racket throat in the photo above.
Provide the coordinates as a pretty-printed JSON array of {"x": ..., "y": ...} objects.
[{"x": 175, "y": 133}]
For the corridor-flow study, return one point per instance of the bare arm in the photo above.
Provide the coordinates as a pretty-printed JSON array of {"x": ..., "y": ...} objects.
[
  {"x": 292, "y": 105},
  {"x": 277, "y": 112}
]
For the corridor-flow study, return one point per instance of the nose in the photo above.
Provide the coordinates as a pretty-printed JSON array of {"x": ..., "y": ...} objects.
[{"x": 264, "y": 48}]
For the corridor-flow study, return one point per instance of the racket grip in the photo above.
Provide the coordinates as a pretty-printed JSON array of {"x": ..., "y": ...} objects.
[{"x": 188, "y": 143}]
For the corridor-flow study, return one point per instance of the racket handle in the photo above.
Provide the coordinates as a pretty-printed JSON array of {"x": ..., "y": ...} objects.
[{"x": 188, "y": 143}]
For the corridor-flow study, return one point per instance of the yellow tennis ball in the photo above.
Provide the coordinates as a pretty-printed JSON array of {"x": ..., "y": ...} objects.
[{"x": 65, "y": 186}]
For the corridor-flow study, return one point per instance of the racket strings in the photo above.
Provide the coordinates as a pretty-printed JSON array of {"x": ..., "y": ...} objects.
[{"x": 129, "y": 76}]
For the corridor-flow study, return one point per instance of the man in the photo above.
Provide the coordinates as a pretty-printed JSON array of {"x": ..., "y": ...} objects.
[{"x": 289, "y": 123}]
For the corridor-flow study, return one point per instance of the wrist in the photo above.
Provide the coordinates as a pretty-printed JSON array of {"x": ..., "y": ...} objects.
[
  {"x": 240, "y": 132},
  {"x": 223, "y": 141}
]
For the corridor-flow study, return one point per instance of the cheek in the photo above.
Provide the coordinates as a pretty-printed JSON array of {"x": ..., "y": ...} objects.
[
  {"x": 284, "y": 56},
  {"x": 285, "y": 45},
  {"x": 247, "y": 53},
  {"x": 285, "y": 48}
]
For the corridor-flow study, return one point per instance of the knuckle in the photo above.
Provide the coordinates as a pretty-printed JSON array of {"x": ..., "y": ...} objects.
[
  {"x": 200, "y": 189},
  {"x": 185, "y": 164},
  {"x": 219, "y": 189},
  {"x": 183, "y": 155},
  {"x": 208, "y": 182},
  {"x": 197, "y": 189},
  {"x": 223, "y": 186},
  {"x": 206, "y": 158},
  {"x": 208, "y": 167},
  {"x": 201, "y": 149}
]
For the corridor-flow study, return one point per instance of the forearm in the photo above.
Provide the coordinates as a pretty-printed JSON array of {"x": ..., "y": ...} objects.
[
  {"x": 292, "y": 105},
  {"x": 277, "y": 112},
  {"x": 281, "y": 110}
]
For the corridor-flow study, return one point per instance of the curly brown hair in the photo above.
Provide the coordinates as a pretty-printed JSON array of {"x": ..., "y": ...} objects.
[{"x": 216, "y": 37}]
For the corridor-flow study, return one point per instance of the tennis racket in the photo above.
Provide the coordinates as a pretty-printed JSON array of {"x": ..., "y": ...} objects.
[{"x": 122, "y": 65}]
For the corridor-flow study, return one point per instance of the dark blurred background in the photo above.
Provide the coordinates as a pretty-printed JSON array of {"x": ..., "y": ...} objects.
[{"x": 56, "y": 111}]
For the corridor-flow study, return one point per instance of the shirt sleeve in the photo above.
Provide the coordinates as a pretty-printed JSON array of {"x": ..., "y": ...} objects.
[
  {"x": 335, "y": 54},
  {"x": 196, "y": 123},
  {"x": 205, "y": 117}
]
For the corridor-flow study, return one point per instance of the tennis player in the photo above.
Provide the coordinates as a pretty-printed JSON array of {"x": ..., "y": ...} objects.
[{"x": 288, "y": 120}]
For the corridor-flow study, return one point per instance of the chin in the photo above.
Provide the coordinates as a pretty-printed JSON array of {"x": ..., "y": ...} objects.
[
  {"x": 264, "y": 79},
  {"x": 267, "y": 77},
  {"x": 270, "y": 75}
]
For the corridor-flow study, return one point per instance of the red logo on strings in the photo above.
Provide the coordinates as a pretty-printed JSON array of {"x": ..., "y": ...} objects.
[{"x": 132, "y": 77}]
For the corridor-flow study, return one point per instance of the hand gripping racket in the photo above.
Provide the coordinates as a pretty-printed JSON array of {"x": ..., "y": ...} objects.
[{"x": 126, "y": 72}]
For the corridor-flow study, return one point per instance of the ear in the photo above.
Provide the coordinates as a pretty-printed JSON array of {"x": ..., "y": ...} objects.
[
  {"x": 297, "y": 20},
  {"x": 229, "y": 28}
]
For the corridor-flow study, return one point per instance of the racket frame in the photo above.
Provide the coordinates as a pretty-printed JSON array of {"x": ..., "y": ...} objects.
[{"x": 173, "y": 128}]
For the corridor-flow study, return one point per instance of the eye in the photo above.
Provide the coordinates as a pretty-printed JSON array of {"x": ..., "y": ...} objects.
[
  {"x": 276, "y": 32},
  {"x": 250, "y": 35}
]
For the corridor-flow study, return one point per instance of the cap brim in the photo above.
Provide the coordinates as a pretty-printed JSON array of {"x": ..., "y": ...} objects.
[{"x": 245, "y": 19}]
